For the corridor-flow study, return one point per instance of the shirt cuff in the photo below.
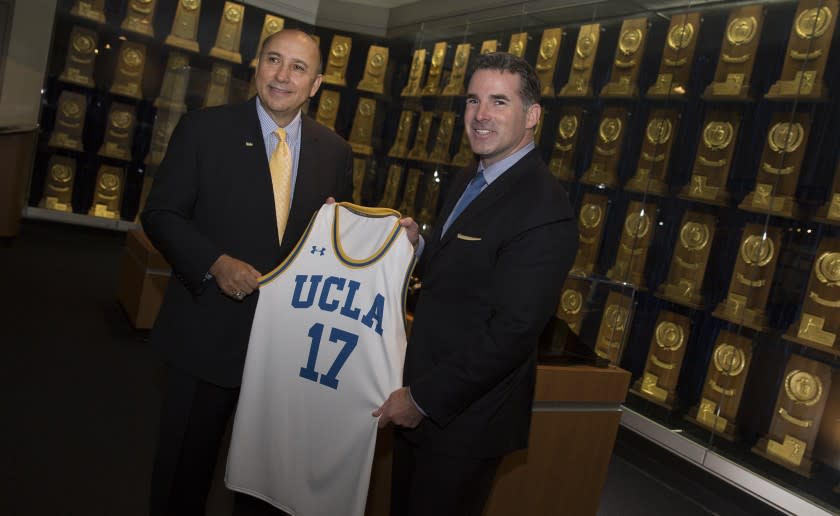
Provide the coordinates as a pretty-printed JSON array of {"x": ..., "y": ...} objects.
[
  {"x": 415, "y": 403},
  {"x": 421, "y": 244}
]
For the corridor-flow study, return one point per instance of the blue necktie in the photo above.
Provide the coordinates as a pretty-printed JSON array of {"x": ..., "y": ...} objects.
[{"x": 473, "y": 189}]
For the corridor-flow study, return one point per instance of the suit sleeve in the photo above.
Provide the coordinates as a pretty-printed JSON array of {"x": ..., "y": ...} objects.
[
  {"x": 168, "y": 215},
  {"x": 524, "y": 294}
]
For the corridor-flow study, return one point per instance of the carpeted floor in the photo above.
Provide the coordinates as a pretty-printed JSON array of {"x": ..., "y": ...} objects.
[{"x": 80, "y": 395}]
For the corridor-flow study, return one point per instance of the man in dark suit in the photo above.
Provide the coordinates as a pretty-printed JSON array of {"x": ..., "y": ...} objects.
[
  {"x": 211, "y": 213},
  {"x": 491, "y": 277}
]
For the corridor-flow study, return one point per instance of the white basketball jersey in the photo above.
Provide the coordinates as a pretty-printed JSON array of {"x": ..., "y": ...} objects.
[{"x": 327, "y": 348}]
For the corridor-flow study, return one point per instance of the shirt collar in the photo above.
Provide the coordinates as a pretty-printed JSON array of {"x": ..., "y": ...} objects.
[
  {"x": 492, "y": 172},
  {"x": 268, "y": 125}
]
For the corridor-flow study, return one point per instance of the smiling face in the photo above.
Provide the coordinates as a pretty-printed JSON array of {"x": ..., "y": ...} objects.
[
  {"x": 287, "y": 74},
  {"x": 497, "y": 121}
]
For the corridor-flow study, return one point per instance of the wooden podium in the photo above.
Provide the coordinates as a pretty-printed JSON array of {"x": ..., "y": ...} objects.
[{"x": 575, "y": 419}]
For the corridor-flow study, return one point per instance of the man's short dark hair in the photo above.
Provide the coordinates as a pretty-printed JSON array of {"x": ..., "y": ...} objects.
[{"x": 529, "y": 88}]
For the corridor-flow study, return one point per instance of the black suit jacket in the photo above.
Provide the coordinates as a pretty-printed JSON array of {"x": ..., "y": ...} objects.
[
  {"x": 211, "y": 196},
  {"x": 489, "y": 287}
]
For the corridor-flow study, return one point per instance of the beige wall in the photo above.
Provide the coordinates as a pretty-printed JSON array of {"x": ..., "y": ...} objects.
[{"x": 26, "y": 62}]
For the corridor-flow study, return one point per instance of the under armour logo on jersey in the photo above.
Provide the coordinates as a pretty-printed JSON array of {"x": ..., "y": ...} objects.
[{"x": 316, "y": 250}]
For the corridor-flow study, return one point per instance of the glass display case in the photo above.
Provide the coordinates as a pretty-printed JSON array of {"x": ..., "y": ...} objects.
[{"x": 698, "y": 144}]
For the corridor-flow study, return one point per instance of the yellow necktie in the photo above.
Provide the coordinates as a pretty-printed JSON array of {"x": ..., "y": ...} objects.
[{"x": 280, "y": 166}]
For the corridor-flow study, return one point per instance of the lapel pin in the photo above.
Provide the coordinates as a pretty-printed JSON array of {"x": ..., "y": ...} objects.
[{"x": 249, "y": 144}]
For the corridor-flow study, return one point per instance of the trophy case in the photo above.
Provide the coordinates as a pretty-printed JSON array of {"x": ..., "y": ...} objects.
[{"x": 697, "y": 144}]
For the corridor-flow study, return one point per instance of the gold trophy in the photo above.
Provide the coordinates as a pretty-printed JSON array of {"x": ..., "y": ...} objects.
[
  {"x": 781, "y": 162},
  {"x": 58, "y": 186},
  {"x": 518, "y": 44},
  {"x": 173, "y": 88},
  {"x": 751, "y": 278},
  {"x": 362, "y": 130},
  {"x": 572, "y": 301},
  {"x": 435, "y": 70},
  {"x": 737, "y": 55},
  {"x": 547, "y": 59},
  {"x": 69, "y": 122},
  {"x": 430, "y": 201},
  {"x": 455, "y": 85},
  {"x": 797, "y": 415},
  {"x": 409, "y": 197},
  {"x": 120, "y": 132},
  {"x": 229, "y": 34},
  {"x": 629, "y": 265},
  {"x": 165, "y": 122},
  {"x": 580, "y": 77},
  {"x": 90, "y": 9},
  {"x": 615, "y": 323},
  {"x": 360, "y": 166},
  {"x": 139, "y": 16},
  {"x": 677, "y": 57},
  {"x": 218, "y": 88},
  {"x": 563, "y": 153},
  {"x": 652, "y": 171},
  {"x": 328, "y": 108},
  {"x": 819, "y": 322},
  {"x": 421, "y": 139},
  {"x": 337, "y": 61},
  {"x": 628, "y": 58},
  {"x": 591, "y": 219},
  {"x": 603, "y": 168},
  {"x": 713, "y": 159},
  {"x": 400, "y": 147},
  {"x": 374, "y": 77},
  {"x": 664, "y": 360},
  {"x": 185, "y": 26},
  {"x": 688, "y": 264},
  {"x": 724, "y": 385},
  {"x": 418, "y": 65},
  {"x": 271, "y": 25},
  {"x": 488, "y": 46},
  {"x": 107, "y": 195},
  {"x": 829, "y": 213},
  {"x": 465, "y": 153},
  {"x": 807, "y": 52},
  {"x": 129, "y": 77},
  {"x": 78, "y": 65},
  {"x": 440, "y": 152},
  {"x": 392, "y": 187}
]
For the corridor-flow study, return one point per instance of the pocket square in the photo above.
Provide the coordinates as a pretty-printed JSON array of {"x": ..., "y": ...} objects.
[{"x": 462, "y": 236}]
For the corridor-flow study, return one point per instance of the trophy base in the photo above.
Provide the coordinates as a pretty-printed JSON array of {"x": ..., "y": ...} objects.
[
  {"x": 803, "y": 469},
  {"x": 62, "y": 141},
  {"x": 334, "y": 79},
  {"x": 782, "y": 206},
  {"x": 709, "y": 195},
  {"x": 547, "y": 91},
  {"x": 430, "y": 92},
  {"x": 109, "y": 152},
  {"x": 799, "y": 88},
  {"x": 53, "y": 203},
  {"x": 127, "y": 90},
  {"x": 829, "y": 213},
  {"x": 669, "y": 291},
  {"x": 439, "y": 158},
  {"x": 410, "y": 92},
  {"x": 398, "y": 154},
  {"x": 647, "y": 185},
  {"x": 599, "y": 178},
  {"x": 457, "y": 91},
  {"x": 727, "y": 92},
  {"x": 726, "y": 430},
  {"x": 792, "y": 335},
  {"x": 362, "y": 148},
  {"x": 418, "y": 155},
  {"x": 102, "y": 211},
  {"x": 254, "y": 62},
  {"x": 227, "y": 55},
  {"x": 617, "y": 90},
  {"x": 571, "y": 91},
  {"x": 83, "y": 10},
  {"x": 86, "y": 82},
  {"x": 190, "y": 45},
  {"x": 372, "y": 87},
  {"x": 667, "y": 403},
  {"x": 748, "y": 317},
  {"x": 138, "y": 27}
]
